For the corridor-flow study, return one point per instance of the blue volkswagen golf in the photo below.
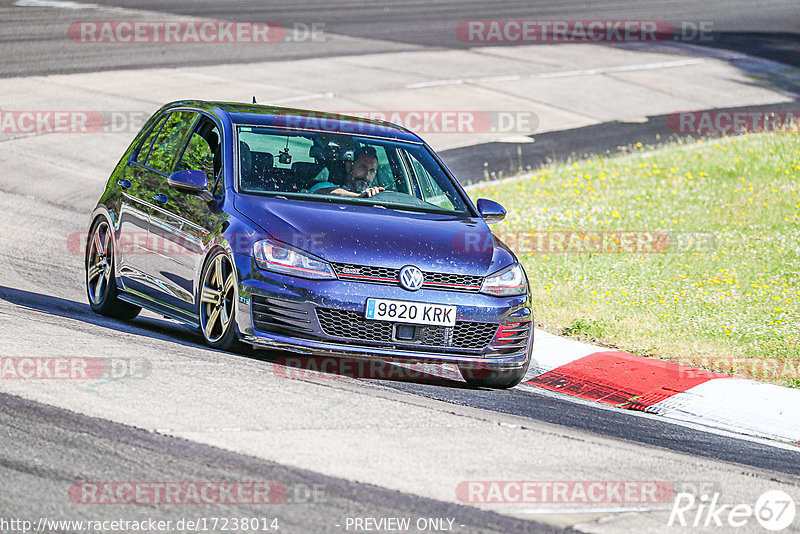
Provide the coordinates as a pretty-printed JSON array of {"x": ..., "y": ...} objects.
[{"x": 308, "y": 232}]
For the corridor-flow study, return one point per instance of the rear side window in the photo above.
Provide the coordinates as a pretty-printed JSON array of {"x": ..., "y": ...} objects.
[
  {"x": 169, "y": 141},
  {"x": 144, "y": 148}
]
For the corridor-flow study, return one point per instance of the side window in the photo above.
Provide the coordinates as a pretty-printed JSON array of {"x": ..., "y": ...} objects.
[
  {"x": 162, "y": 156},
  {"x": 431, "y": 191},
  {"x": 144, "y": 148},
  {"x": 201, "y": 150}
]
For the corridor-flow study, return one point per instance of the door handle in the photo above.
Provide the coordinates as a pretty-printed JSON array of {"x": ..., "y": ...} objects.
[
  {"x": 125, "y": 184},
  {"x": 161, "y": 199}
]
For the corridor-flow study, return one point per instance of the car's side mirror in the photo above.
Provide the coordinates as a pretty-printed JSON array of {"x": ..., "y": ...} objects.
[
  {"x": 191, "y": 182},
  {"x": 491, "y": 211}
]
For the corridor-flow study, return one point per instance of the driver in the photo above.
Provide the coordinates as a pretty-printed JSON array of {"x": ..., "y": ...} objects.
[{"x": 359, "y": 175}]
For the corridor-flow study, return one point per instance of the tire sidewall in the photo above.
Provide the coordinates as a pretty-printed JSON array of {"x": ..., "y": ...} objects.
[
  {"x": 111, "y": 285},
  {"x": 230, "y": 338}
]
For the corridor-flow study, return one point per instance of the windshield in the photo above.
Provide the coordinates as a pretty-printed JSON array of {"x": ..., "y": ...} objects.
[{"x": 338, "y": 167}]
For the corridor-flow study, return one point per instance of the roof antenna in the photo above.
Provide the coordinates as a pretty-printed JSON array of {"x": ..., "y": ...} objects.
[{"x": 254, "y": 100}]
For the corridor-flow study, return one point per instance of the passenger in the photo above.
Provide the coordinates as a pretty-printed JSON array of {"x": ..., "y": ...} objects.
[{"x": 358, "y": 178}]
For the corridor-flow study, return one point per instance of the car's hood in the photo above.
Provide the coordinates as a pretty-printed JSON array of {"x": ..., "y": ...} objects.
[{"x": 366, "y": 235}]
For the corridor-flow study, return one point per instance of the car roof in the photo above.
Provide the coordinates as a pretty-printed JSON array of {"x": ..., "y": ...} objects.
[{"x": 299, "y": 119}]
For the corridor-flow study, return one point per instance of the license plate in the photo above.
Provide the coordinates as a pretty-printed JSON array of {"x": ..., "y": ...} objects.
[{"x": 401, "y": 311}]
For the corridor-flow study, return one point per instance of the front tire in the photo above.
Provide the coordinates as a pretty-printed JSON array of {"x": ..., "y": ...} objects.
[
  {"x": 217, "y": 306},
  {"x": 101, "y": 284},
  {"x": 481, "y": 376}
]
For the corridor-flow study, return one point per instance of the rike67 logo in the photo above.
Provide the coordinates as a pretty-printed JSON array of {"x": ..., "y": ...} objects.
[{"x": 774, "y": 510}]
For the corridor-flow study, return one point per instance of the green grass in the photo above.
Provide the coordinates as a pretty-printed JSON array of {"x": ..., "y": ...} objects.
[{"x": 721, "y": 288}]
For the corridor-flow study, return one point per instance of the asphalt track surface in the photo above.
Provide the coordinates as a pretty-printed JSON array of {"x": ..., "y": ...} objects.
[
  {"x": 32, "y": 40},
  {"x": 520, "y": 401},
  {"x": 42, "y": 448},
  {"x": 80, "y": 448}
]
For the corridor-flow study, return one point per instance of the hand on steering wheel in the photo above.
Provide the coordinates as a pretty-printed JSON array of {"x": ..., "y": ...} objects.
[{"x": 371, "y": 192}]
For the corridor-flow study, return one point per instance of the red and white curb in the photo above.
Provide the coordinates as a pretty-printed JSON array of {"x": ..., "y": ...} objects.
[{"x": 670, "y": 390}]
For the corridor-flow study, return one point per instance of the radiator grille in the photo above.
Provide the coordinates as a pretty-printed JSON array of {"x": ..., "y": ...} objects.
[
  {"x": 384, "y": 275},
  {"x": 355, "y": 327}
]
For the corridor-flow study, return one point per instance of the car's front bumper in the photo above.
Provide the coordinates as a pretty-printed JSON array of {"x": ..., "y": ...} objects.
[{"x": 304, "y": 334}]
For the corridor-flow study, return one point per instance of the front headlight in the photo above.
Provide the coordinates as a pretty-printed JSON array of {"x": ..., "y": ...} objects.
[
  {"x": 507, "y": 283},
  {"x": 280, "y": 258}
]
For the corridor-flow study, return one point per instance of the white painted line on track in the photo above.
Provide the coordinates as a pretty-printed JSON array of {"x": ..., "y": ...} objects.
[
  {"x": 560, "y": 511},
  {"x": 301, "y": 98},
  {"x": 66, "y": 4},
  {"x": 561, "y": 74},
  {"x": 693, "y": 424},
  {"x": 54, "y": 3}
]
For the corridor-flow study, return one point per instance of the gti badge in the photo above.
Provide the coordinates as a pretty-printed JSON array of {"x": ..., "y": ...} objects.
[{"x": 411, "y": 278}]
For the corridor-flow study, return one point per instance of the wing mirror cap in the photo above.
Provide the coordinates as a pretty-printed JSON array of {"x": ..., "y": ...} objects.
[
  {"x": 191, "y": 182},
  {"x": 491, "y": 211}
]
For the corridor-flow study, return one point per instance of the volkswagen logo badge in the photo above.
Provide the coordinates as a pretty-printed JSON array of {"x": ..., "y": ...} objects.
[{"x": 411, "y": 278}]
